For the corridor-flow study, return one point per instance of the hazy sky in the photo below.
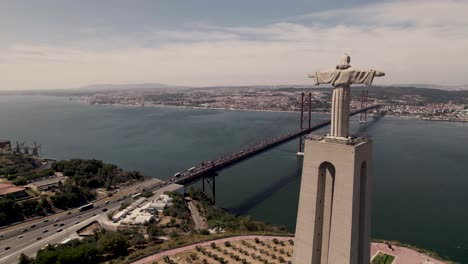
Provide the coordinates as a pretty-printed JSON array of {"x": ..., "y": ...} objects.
[{"x": 63, "y": 44}]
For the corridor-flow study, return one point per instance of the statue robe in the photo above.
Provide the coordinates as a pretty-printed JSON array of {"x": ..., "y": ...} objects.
[
  {"x": 345, "y": 77},
  {"x": 341, "y": 79}
]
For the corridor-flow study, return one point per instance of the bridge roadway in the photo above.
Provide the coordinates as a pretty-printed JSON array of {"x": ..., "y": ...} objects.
[{"x": 210, "y": 168}]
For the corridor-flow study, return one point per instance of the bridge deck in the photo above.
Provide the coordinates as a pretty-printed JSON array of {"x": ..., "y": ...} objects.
[{"x": 212, "y": 167}]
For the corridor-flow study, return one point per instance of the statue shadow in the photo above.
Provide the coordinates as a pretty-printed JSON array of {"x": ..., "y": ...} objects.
[
  {"x": 363, "y": 127},
  {"x": 265, "y": 193}
]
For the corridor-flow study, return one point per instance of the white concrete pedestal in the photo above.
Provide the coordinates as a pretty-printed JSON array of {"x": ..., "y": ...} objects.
[{"x": 334, "y": 214}]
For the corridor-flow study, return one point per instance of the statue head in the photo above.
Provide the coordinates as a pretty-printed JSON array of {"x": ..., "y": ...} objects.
[{"x": 344, "y": 63}]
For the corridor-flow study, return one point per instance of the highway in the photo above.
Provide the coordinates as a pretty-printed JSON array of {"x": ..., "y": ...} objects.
[{"x": 30, "y": 236}]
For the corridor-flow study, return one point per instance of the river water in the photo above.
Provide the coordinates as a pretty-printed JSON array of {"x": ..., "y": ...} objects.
[{"x": 420, "y": 168}]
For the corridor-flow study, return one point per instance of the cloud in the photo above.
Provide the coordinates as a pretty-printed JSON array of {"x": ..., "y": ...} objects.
[{"x": 412, "y": 41}]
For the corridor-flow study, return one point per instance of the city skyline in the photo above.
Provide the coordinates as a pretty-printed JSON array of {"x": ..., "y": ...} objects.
[{"x": 57, "y": 45}]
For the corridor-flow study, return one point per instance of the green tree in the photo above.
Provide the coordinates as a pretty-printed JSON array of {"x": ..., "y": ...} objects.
[
  {"x": 20, "y": 181},
  {"x": 154, "y": 230},
  {"x": 23, "y": 259},
  {"x": 46, "y": 257},
  {"x": 45, "y": 203},
  {"x": 112, "y": 243},
  {"x": 31, "y": 208}
]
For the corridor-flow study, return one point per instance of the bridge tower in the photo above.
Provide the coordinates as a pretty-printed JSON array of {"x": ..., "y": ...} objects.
[
  {"x": 305, "y": 119},
  {"x": 363, "y": 116}
]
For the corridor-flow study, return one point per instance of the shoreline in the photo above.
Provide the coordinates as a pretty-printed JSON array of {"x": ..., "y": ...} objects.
[{"x": 261, "y": 110}]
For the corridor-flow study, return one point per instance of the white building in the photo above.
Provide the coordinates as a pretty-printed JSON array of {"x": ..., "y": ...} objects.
[{"x": 162, "y": 202}]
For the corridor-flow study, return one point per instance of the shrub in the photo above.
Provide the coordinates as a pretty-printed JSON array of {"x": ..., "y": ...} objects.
[{"x": 204, "y": 232}]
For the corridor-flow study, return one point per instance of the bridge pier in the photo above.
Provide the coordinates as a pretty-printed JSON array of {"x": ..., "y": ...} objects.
[{"x": 210, "y": 180}]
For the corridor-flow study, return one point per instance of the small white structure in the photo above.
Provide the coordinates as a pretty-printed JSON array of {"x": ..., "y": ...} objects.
[
  {"x": 162, "y": 202},
  {"x": 138, "y": 219},
  {"x": 142, "y": 211},
  {"x": 128, "y": 210}
]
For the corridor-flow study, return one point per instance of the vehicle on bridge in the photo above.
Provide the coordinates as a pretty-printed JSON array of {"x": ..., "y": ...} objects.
[
  {"x": 191, "y": 169},
  {"x": 86, "y": 207},
  {"x": 177, "y": 174}
]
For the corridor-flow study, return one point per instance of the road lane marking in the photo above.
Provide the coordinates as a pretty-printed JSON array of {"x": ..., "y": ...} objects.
[{"x": 89, "y": 220}]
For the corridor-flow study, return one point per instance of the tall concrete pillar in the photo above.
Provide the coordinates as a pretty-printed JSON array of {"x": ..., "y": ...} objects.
[
  {"x": 334, "y": 215},
  {"x": 341, "y": 99}
]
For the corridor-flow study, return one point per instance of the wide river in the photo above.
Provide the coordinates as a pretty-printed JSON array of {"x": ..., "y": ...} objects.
[{"x": 420, "y": 168}]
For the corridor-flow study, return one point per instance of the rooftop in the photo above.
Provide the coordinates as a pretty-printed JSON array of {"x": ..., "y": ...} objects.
[
  {"x": 353, "y": 140},
  {"x": 7, "y": 188}
]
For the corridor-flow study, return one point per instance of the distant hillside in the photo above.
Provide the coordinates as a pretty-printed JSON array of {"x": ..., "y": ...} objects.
[
  {"x": 92, "y": 89},
  {"x": 399, "y": 93},
  {"x": 435, "y": 86},
  {"x": 419, "y": 95},
  {"x": 116, "y": 87}
]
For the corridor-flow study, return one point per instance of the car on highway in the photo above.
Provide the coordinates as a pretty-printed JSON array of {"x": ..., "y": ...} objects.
[
  {"x": 78, "y": 216},
  {"x": 56, "y": 220},
  {"x": 20, "y": 236},
  {"x": 77, "y": 222},
  {"x": 45, "y": 231},
  {"x": 25, "y": 230},
  {"x": 69, "y": 213},
  {"x": 33, "y": 226},
  {"x": 62, "y": 224},
  {"x": 104, "y": 209},
  {"x": 38, "y": 238},
  {"x": 59, "y": 230},
  {"x": 107, "y": 202},
  {"x": 47, "y": 220},
  {"x": 7, "y": 248},
  {"x": 55, "y": 224}
]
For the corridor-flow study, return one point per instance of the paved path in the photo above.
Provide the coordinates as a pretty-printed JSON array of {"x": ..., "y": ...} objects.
[
  {"x": 197, "y": 218},
  {"x": 403, "y": 255},
  {"x": 171, "y": 252}
]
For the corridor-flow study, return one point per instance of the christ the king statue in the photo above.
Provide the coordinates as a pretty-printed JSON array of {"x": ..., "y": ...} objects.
[{"x": 341, "y": 78}]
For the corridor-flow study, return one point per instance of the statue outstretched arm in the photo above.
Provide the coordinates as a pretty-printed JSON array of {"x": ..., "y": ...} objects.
[{"x": 379, "y": 74}]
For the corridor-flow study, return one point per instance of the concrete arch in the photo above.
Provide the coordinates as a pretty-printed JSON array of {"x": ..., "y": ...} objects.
[{"x": 323, "y": 211}]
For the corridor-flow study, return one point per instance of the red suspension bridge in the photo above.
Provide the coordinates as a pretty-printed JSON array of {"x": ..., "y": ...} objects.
[{"x": 207, "y": 171}]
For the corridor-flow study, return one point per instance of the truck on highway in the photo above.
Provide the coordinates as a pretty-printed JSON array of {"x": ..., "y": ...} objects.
[{"x": 86, "y": 207}]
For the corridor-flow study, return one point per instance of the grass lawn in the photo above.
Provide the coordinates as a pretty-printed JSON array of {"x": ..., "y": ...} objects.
[
  {"x": 383, "y": 258},
  {"x": 30, "y": 193}
]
